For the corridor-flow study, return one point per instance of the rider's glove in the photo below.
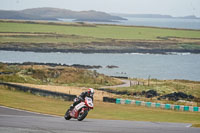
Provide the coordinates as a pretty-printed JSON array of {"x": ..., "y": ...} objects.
[{"x": 75, "y": 99}]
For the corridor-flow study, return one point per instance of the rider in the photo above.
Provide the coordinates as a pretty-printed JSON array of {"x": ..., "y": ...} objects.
[{"x": 88, "y": 93}]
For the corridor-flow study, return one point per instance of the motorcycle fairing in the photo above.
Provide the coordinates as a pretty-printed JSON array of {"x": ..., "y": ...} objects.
[
  {"x": 79, "y": 106},
  {"x": 76, "y": 109}
]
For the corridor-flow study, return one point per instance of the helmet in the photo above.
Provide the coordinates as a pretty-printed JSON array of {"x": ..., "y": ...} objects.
[{"x": 90, "y": 92}]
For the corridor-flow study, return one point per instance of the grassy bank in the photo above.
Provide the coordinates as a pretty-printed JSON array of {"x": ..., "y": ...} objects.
[
  {"x": 101, "y": 111},
  {"x": 59, "y": 75},
  {"x": 66, "y": 37}
]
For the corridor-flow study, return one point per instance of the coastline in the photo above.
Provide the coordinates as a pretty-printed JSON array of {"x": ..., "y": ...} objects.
[{"x": 111, "y": 51}]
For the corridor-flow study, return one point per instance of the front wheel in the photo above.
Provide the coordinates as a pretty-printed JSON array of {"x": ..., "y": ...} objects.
[
  {"x": 67, "y": 115},
  {"x": 82, "y": 115}
]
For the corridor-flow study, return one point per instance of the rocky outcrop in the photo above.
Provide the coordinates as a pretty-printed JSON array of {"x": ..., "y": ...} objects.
[{"x": 112, "y": 66}]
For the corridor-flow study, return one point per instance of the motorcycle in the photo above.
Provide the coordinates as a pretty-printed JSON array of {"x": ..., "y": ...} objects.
[{"x": 81, "y": 110}]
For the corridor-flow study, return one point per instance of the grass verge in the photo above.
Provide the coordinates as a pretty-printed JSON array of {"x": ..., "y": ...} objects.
[{"x": 26, "y": 101}]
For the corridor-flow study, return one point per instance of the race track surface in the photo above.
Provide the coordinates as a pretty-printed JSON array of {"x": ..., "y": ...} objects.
[{"x": 18, "y": 121}]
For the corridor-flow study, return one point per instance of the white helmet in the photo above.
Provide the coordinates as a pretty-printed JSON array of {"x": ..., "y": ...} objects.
[{"x": 90, "y": 91}]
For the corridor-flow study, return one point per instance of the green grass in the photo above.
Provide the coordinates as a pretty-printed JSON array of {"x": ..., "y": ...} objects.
[
  {"x": 27, "y": 101},
  {"x": 53, "y": 37},
  {"x": 101, "y": 31},
  {"x": 101, "y": 110}
]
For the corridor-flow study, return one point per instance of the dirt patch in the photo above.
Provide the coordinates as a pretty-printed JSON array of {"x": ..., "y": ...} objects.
[{"x": 98, "y": 96}]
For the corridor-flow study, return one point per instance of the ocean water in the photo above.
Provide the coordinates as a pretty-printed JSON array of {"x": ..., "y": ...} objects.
[
  {"x": 155, "y": 22},
  {"x": 164, "y": 22},
  {"x": 174, "y": 66}
]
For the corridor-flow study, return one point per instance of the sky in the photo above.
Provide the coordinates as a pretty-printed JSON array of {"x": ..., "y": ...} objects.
[{"x": 165, "y": 7}]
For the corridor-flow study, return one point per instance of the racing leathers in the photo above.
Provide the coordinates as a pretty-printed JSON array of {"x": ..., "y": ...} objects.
[{"x": 80, "y": 98}]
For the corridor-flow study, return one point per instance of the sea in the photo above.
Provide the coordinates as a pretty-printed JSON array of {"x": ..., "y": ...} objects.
[
  {"x": 184, "y": 66},
  {"x": 178, "y": 23}
]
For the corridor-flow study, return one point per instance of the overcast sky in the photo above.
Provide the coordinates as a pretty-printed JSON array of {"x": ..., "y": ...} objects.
[{"x": 164, "y": 7}]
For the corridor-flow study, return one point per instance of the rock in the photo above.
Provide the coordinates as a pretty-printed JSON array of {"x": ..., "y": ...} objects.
[
  {"x": 111, "y": 66},
  {"x": 86, "y": 66}
]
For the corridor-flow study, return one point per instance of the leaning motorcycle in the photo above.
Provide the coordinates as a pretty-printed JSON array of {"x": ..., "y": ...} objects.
[{"x": 81, "y": 110}]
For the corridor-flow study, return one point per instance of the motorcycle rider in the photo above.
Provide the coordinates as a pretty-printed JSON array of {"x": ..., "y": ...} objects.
[{"x": 81, "y": 97}]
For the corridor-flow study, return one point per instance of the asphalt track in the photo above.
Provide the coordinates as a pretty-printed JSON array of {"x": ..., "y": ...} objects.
[{"x": 18, "y": 121}]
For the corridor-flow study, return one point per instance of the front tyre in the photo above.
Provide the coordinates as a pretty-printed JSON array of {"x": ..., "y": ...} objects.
[
  {"x": 67, "y": 116},
  {"x": 82, "y": 115}
]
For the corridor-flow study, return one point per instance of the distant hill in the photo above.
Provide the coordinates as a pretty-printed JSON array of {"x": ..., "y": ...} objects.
[
  {"x": 21, "y": 15},
  {"x": 47, "y": 13},
  {"x": 153, "y": 16}
]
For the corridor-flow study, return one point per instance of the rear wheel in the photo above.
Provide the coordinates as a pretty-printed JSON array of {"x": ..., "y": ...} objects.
[
  {"x": 67, "y": 116},
  {"x": 82, "y": 115}
]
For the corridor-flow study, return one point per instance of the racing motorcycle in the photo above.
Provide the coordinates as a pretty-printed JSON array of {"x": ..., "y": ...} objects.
[{"x": 81, "y": 110}]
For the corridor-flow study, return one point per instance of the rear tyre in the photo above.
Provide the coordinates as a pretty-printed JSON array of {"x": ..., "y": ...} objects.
[
  {"x": 67, "y": 116},
  {"x": 82, "y": 115}
]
